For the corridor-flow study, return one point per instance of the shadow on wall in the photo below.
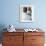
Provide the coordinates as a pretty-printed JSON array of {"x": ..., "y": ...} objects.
[{"x": 2, "y": 26}]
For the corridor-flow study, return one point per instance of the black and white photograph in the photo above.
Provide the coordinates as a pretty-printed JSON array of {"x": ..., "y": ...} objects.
[{"x": 26, "y": 13}]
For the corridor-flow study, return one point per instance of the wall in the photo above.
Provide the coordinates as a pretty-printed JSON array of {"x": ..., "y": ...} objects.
[{"x": 10, "y": 13}]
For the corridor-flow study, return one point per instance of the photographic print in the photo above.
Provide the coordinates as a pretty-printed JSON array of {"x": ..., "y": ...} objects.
[{"x": 26, "y": 13}]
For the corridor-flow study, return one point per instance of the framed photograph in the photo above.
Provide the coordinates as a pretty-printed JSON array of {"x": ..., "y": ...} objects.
[{"x": 26, "y": 13}]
